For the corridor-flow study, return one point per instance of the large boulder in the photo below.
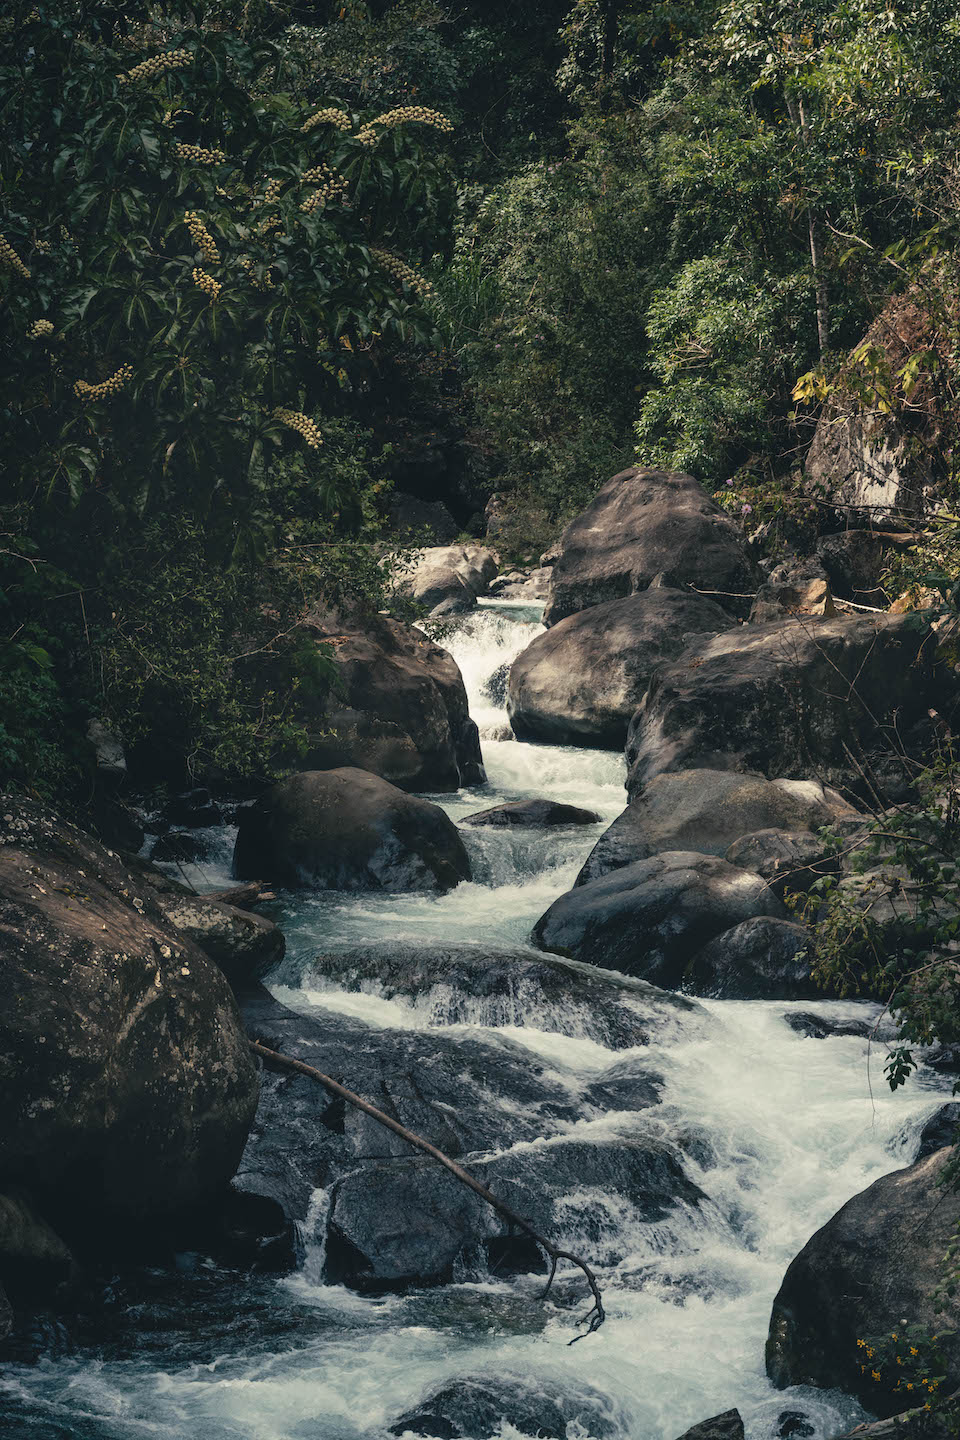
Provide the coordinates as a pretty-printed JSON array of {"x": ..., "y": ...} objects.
[
  {"x": 872, "y": 1270},
  {"x": 652, "y": 917},
  {"x": 644, "y": 523},
  {"x": 446, "y": 579},
  {"x": 457, "y": 984},
  {"x": 532, "y": 814},
  {"x": 127, "y": 1079},
  {"x": 399, "y": 708},
  {"x": 789, "y": 860},
  {"x": 411, "y": 518},
  {"x": 835, "y": 700},
  {"x": 477, "y": 1407},
  {"x": 760, "y": 959},
  {"x": 349, "y": 830},
  {"x": 707, "y": 811},
  {"x": 396, "y": 1218},
  {"x": 580, "y": 682},
  {"x": 244, "y": 945}
]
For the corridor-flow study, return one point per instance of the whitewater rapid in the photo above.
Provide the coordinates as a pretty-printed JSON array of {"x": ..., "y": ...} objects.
[{"x": 783, "y": 1130}]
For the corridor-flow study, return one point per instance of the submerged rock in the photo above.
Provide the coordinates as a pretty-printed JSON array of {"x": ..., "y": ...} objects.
[
  {"x": 707, "y": 810},
  {"x": 647, "y": 523},
  {"x": 349, "y": 830},
  {"x": 540, "y": 813},
  {"x": 127, "y": 1079},
  {"x": 396, "y": 1218},
  {"x": 458, "y": 984},
  {"x": 476, "y": 1407},
  {"x": 652, "y": 917},
  {"x": 399, "y": 708},
  {"x": 871, "y": 1270},
  {"x": 581, "y": 681},
  {"x": 832, "y": 700},
  {"x": 821, "y": 1027}
]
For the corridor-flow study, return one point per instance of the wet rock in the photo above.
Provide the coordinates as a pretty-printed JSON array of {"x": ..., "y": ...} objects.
[
  {"x": 399, "y": 708},
  {"x": 194, "y": 809},
  {"x": 33, "y": 1258},
  {"x": 127, "y": 1078},
  {"x": 349, "y": 830},
  {"x": 652, "y": 917},
  {"x": 821, "y": 1027},
  {"x": 789, "y": 860},
  {"x": 762, "y": 959},
  {"x": 396, "y": 1218},
  {"x": 476, "y": 1407},
  {"x": 495, "y": 687},
  {"x": 447, "y": 579},
  {"x": 939, "y": 1131},
  {"x": 474, "y": 984},
  {"x": 707, "y": 810},
  {"x": 412, "y": 519},
  {"x": 181, "y": 846},
  {"x": 873, "y": 1267},
  {"x": 644, "y": 523},
  {"x": 541, "y": 814},
  {"x": 581, "y": 681},
  {"x": 794, "y": 1425},
  {"x": 824, "y": 699},
  {"x": 244, "y": 945},
  {"x": 728, "y": 1426}
]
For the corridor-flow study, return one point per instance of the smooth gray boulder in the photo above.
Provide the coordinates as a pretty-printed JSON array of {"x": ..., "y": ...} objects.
[
  {"x": 446, "y": 579},
  {"x": 789, "y": 860},
  {"x": 646, "y": 523},
  {"x": 839, "y": 701},
  {"x": 349, "y": 830},
  {"x": 538, "y": 814},
  {"x": 871, "y": 1270},
  {"x": 398, "y": 709},
  {"x": 476, "y": 1407},
  {"x": 707, "y": 810},
  {"x": 760, "y": 959},
  {"x": 581, "y": 681},
  {"x": 652, "y": 917}
]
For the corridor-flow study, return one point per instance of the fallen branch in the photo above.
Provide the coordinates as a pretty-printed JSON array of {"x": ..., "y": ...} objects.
[{"x": 594, "y": 1319}]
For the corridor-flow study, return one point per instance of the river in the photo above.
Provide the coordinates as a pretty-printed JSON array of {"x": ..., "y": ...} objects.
[{"x": 795, "y": 1125}]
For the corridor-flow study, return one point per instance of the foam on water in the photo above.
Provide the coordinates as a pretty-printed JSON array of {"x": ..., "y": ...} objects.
[{"x": 778, "y": 1131}]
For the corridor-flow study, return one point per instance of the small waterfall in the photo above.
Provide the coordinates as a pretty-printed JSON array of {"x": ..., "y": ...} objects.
[{"x": 312, "y": 1238}]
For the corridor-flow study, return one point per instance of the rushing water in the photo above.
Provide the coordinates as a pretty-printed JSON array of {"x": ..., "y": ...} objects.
[{"x": 793, "y": 1125}]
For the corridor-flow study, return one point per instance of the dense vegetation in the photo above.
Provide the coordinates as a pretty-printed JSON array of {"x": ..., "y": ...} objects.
[{"x": 261, "y": 265}]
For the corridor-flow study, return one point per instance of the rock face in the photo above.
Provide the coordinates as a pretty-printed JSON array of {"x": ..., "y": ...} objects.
[
  {"x": 349, "y": 830},
  {"x": 869, "y": 1270},
  {"x": 475, "y": 1407},
  {"x": 472, "y": 984},
  {"x": 542, "y": 814},
  {"x": 401, "y": 711},
  {"x": 581, "y": 681},
  {"x": 447, "y": 579},
  {"x": 728, "y": 1426},
  {"x": 128, "y": 1082},
  {"x": 396, "y": 1218},
  {"x": 244, "y": 945},
  {"x": 412, "y": 518},
  {"x": 795, "y": 699},
  {"x": 645, "y": 523},
  {"x": 757, "y": 960},
  {"x": 652, "y": 917},
  {"x": 707, "y": 810}
]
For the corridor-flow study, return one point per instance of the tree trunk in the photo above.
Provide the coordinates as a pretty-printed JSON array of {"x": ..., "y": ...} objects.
[{"x": 798, "y": 115}]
